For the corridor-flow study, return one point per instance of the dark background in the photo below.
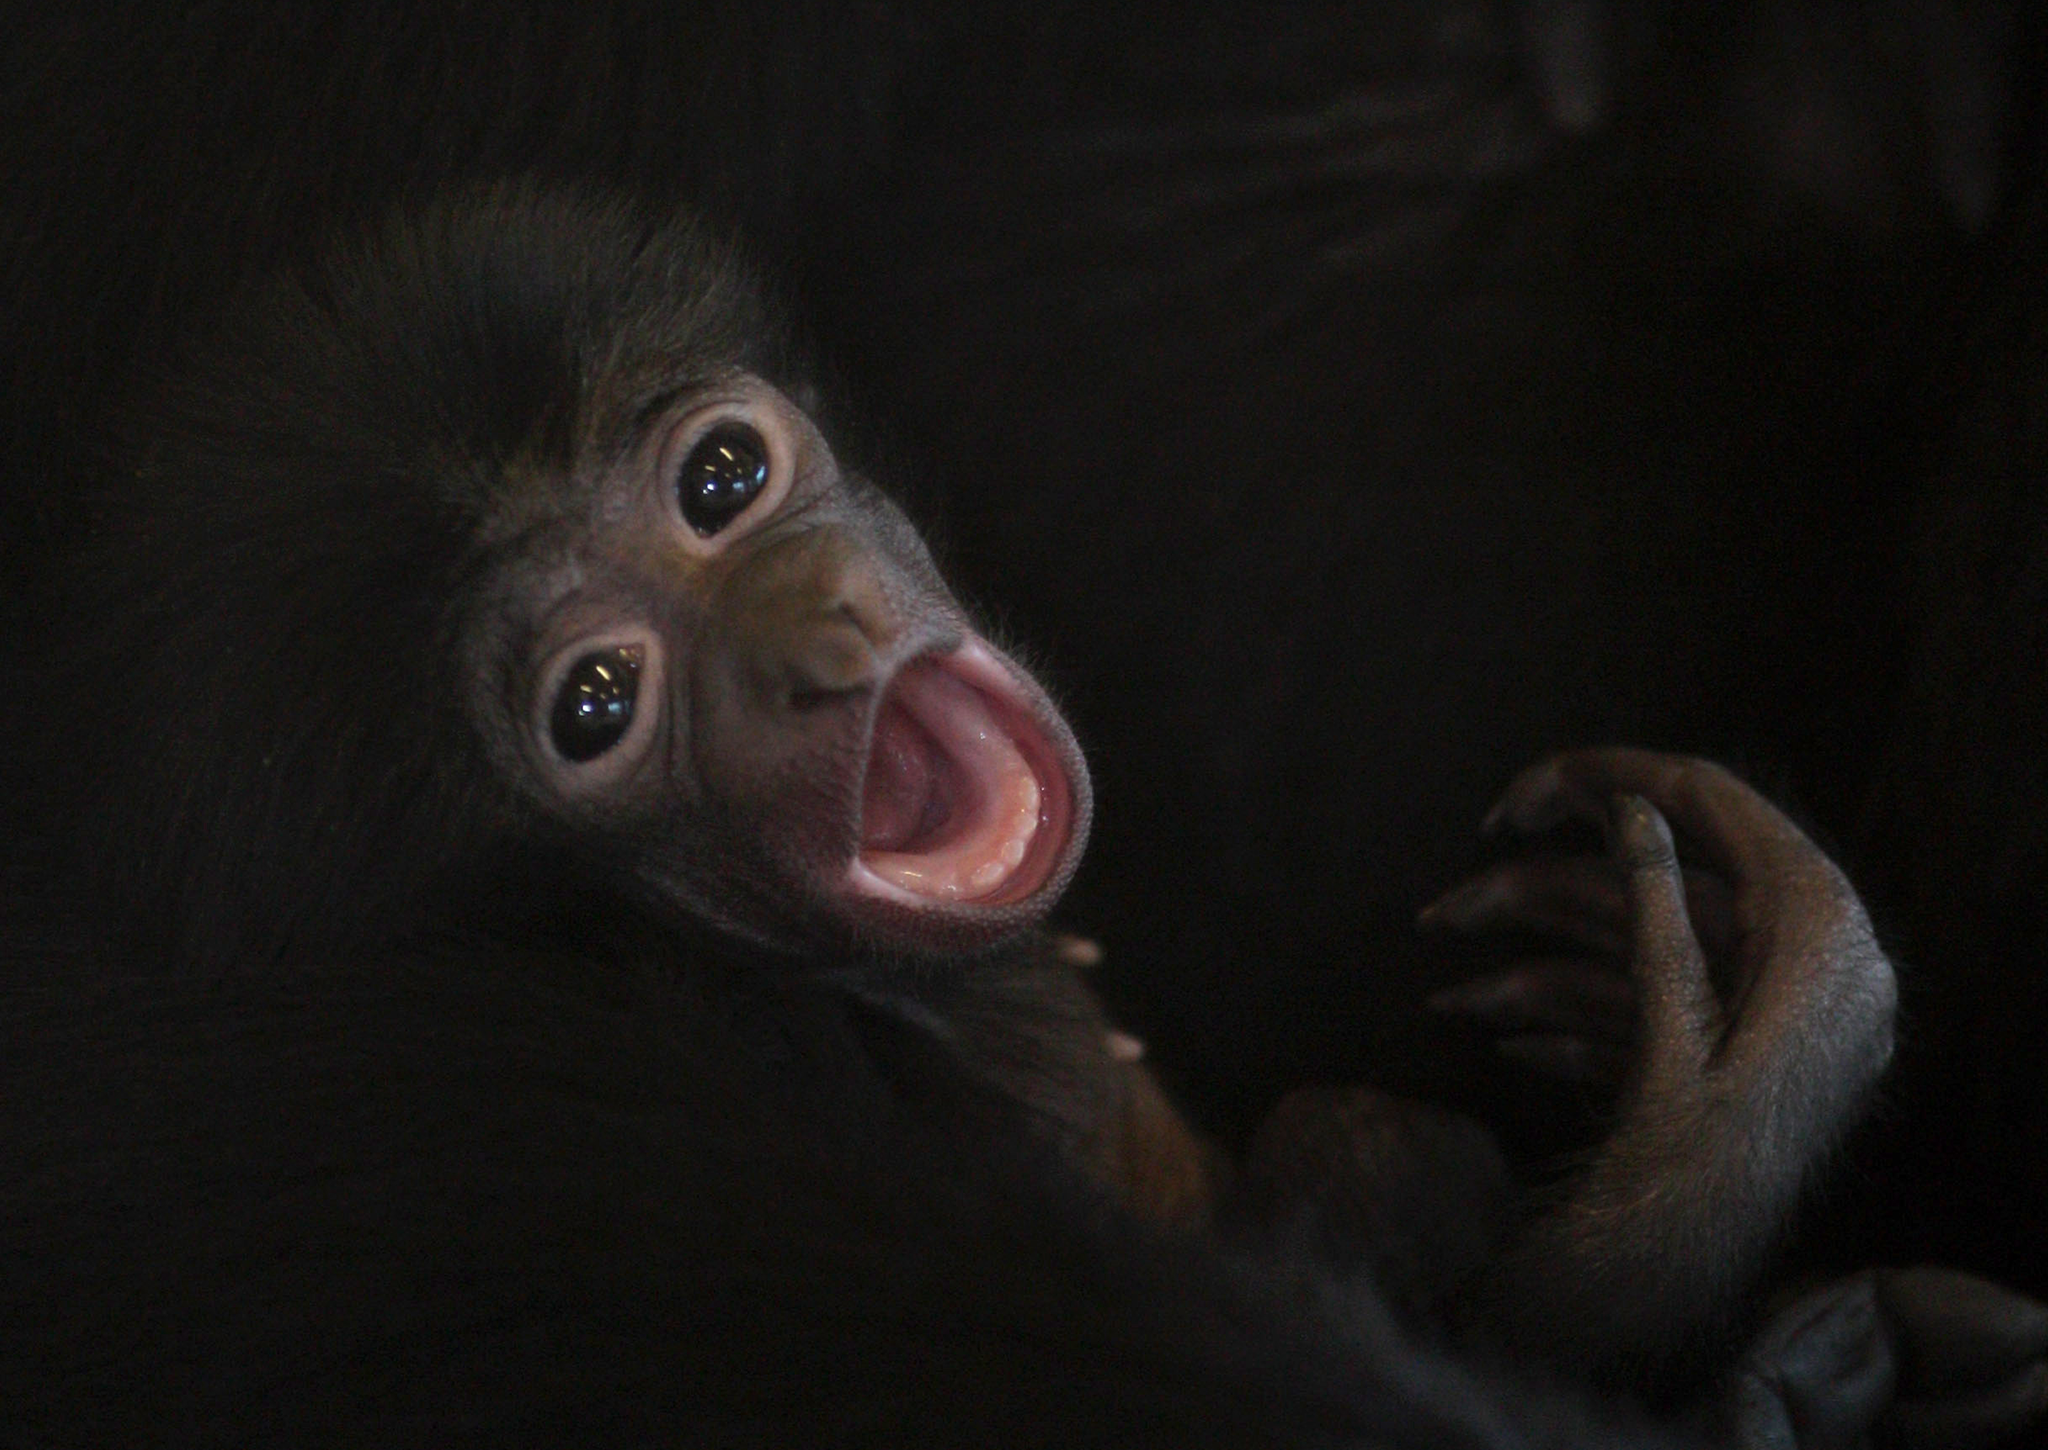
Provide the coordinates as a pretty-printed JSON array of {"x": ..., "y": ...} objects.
[
  {"x": 1344, "y": 404},
  {"x": 1348, "y": 428}
]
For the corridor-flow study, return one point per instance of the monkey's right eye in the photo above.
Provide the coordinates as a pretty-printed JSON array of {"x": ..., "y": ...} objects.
[
  {"x": 726, "y": 471},
  {"x": 593, "y": 709}
]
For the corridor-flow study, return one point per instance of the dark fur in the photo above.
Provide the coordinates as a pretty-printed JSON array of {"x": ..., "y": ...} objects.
[
  {"x": 540, "y": 1197},
  {"x": 307, "y": 768},
  {"x": 370, "y": 1118},
  {"x": 377, "y": 1106},
  {"x": 197, "y": 1101},
  {"x": 1587, "y": 428}
]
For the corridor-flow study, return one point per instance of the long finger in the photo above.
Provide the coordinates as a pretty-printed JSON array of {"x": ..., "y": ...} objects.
[
  {"x": 1965, "y": 1332},
  {"x": 1569, "y": 1059},
  {"x": 1576, "y": 898},
  {"x": 1579, "y": 998},
  {"x": 1739, "y": 831},
  {"x": 1680, "y": 1015},
  {"x": 1994, "y": 1416}
]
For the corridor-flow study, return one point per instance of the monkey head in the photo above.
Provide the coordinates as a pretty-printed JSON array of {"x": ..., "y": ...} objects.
[
  {"x": 495, "y": 542},
  {"x": 732, "y": 668}
]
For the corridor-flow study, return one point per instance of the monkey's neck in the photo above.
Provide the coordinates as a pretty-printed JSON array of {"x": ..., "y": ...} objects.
[
  {"x": 1008, "y": 1050},
  {"x": 1018, "y": 1043}
]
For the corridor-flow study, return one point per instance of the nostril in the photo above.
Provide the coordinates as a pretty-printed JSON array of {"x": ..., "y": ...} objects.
[
  {"x": 861, "y": 602},
  {"x": 819, "y": 619},
  {"x": 832, "y": 661},
  {"x": 806, "y": 699}
]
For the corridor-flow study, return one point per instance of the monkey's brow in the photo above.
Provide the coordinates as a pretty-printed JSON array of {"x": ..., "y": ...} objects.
[
  {"x": 488, "y": 550},
  {"x": 671, "y": 392}
]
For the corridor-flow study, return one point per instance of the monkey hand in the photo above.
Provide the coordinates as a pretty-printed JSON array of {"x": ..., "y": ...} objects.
[
  {"x": 1566, "y": 1006},
  {"x": 1923, "y": 1359},
  {"x": 1799, "y": 1026},
  {"x": 1972, "y": 1359},
  {"x": 1735, "y": 1092}
]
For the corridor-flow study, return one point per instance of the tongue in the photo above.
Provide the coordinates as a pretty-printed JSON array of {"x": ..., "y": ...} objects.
[
  {"x": 908, "y": 789},
  {"x": 950, "y": 804}
]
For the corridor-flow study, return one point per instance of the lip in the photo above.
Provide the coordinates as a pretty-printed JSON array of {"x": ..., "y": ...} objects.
[{"x": 974, "y": 799}]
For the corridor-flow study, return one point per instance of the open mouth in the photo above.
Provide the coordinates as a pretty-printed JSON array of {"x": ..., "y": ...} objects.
[{"x": 965, "y": 800}]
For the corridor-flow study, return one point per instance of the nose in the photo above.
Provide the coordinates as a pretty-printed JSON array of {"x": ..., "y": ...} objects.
[{"x": 814, "y": 617}]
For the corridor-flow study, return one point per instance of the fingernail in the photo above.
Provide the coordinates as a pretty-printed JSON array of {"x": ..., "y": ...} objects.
[
  {"x": 1452, "y": 1001},
  {"x": 1460, "y": 907},
  {"x": 1530, "y": 803},
  {"x": 1481, "y": 994},
  {"x": 1557, "y": 1056},
  {"x": 1077, "y": 951},
  {"x": 1639, "y": 829}
]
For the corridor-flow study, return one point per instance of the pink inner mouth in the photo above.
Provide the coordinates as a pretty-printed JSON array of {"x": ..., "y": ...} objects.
[{"x": 963, "y": 800}]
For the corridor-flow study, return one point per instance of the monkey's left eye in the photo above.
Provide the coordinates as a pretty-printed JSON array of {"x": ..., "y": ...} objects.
[
  {"x": 726, "y": 471},
  {"x": 593, "y": 709}
]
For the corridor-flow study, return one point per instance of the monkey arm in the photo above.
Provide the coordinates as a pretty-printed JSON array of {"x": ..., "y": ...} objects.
[
  {"x": 1160, "y": 1167},
  {"x": 1930, "y": 1358},
  {"x": 1026, "y": 1027},
  {"x": 1732, "y": 1103}
]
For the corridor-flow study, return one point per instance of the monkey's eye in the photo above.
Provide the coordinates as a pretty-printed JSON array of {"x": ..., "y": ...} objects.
[
  {"x": 726, "y": 471},
  {"x": 594, "y": 707}
]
